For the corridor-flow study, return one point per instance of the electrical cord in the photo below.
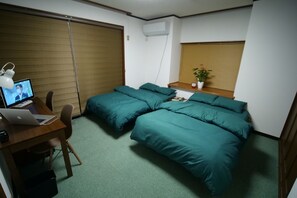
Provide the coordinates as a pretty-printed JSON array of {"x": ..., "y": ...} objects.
[{"x": 161, "y": 59}]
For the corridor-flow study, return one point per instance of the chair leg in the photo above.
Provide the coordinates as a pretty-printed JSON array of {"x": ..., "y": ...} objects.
[
  {"x": 74, "y": 153},
  {"x": 50, "y": 158}
]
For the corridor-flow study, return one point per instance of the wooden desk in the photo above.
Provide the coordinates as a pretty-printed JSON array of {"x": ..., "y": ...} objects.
[
  {"x": 22, "y": 137},
  {"x": 188, "y": 87}
]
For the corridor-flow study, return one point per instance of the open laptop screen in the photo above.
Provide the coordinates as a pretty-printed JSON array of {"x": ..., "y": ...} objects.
[{"x": 21, "y": 91}]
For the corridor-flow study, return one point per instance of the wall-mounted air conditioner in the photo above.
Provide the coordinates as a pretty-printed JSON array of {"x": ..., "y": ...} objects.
[{"x": 154, "y": 29}]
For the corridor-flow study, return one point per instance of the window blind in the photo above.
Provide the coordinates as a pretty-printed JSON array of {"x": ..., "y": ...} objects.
[
  {"x": 76, "y": 59},
  {"x": 40, "y": 49},
  {"x": 98, "y": 56}
]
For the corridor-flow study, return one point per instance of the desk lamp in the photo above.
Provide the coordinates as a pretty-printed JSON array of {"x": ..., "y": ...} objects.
[
  {"x": 6, "y": 76},
  {"x": 6, "y": 82}
]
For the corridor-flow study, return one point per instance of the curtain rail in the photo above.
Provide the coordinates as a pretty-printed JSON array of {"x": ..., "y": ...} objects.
[{"x": 35, "y": 12}]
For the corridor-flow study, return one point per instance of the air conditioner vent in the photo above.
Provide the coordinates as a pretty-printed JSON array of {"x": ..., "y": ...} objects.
[{"x": 154, "y": 29}]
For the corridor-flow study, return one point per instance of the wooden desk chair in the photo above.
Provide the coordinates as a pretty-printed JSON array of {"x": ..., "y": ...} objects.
[
  {"x": 44, "y": 148},
  {"x": 66, "y": 118},
  {"x": 49, "y": 100}
]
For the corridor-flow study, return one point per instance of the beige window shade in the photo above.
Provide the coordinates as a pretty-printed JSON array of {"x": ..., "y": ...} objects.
[
  {"x": 40, "y": 49},
  {"x": 98, "y": 53},
  {"x": 222, "y": 58}
]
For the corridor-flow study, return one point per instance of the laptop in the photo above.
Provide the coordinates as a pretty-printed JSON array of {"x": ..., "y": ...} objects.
[{"x": 25, "y": 117}]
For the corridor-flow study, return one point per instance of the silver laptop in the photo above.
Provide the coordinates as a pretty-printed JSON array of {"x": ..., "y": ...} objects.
[{"x": 25, "y": 117}]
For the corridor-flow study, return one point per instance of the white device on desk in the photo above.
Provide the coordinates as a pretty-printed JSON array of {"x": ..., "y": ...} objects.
[
  {"x": 25, "y": 117},
  {"x": 19, "y": 96}
]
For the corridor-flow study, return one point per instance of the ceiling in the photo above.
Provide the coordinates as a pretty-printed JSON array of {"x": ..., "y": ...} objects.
[{"x": 152, "y": 9}]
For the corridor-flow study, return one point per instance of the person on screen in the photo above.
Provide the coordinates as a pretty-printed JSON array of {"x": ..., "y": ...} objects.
[{"x": 21, "y": 95}]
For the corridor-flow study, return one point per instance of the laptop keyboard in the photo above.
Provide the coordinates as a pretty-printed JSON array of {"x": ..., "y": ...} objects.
[
  {"x": 40, "y": 120},
  {"x": 22, "y": 104}
]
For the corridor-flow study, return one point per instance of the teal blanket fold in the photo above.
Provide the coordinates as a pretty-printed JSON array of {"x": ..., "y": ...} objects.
[
  {"x": 204, "y": 140},
  {"x": 123, "y": 106},
  {"x": 227, "y": 121},
  {"x": 151, "y": 98}
]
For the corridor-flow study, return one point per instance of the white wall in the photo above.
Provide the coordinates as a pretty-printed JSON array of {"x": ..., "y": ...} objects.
[
  {"x": 157, "y": 59},
  {"x": 134, "y": 56},
  {"x": 229, "y": 25},
  {"x": 267, "y": 77},
  {"x": 163, "y": 54},
  {"x": 176, "y": 50},
  {"x": 222, "y": 26}
]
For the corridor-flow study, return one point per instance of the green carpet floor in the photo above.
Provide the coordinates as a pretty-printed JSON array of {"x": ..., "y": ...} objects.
[{"x": 116, "y": 166}]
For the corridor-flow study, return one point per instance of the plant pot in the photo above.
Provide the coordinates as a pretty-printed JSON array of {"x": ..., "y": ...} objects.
[{"x": 200, "y": 85}]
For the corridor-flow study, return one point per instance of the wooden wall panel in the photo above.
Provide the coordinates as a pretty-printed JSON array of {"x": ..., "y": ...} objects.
[
  {"x": 288, "y": 152},
  {"x": 222, "y": 58}
]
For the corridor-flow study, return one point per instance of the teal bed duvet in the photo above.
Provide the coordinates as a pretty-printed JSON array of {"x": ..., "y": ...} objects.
[
  {"x": 205, "y": 139},
  {"x": 125, "y": 104}
]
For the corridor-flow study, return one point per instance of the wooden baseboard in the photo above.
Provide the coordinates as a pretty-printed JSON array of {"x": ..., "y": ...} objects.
[{"x": 265, "y": 135}]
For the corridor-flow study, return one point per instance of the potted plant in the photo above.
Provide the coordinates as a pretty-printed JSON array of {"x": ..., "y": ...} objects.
[{"x": 201, "y": 75}]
